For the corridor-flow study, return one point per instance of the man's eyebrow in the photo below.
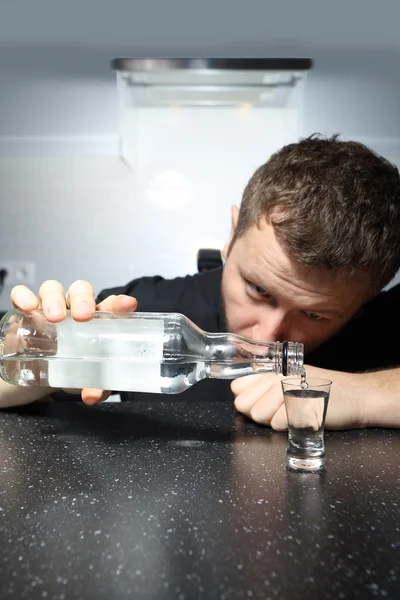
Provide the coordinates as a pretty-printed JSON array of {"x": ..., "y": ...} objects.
[
  {"x": 256, "y": 281},
  {"x": 250, "y": 275}
]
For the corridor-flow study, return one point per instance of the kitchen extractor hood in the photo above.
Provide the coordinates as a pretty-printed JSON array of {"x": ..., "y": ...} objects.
[{"x": 263, "y": 82}]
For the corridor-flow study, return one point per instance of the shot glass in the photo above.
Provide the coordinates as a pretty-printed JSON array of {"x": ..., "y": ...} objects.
[{"x": 306, "y": 410}]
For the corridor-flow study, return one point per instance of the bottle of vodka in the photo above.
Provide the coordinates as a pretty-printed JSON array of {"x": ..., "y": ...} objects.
[{"x": 144, "y": 352}]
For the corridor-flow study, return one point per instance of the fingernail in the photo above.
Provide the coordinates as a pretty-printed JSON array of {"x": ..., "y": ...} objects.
[
  {"x": 55, "y": 309},
  {"x": 25, "y": 301}
]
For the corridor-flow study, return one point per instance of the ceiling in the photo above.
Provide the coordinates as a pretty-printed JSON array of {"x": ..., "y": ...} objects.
[{"x": 205, "y": 27}]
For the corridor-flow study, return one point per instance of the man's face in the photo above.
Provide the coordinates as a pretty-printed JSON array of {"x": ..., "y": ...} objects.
[{"x": 269, "y": 297}]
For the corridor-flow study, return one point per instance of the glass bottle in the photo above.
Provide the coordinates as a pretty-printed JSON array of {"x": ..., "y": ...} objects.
[{"x": 144, "y": 352}]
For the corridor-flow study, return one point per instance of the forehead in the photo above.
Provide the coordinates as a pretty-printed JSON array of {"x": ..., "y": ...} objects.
[{"x": 260, "y": 257}]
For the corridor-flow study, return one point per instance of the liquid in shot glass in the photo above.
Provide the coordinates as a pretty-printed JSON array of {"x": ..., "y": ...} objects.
[{"x": 306, "y": 403}]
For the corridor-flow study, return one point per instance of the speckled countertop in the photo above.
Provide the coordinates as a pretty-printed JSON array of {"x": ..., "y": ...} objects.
[{"x": 170, "y": 499}]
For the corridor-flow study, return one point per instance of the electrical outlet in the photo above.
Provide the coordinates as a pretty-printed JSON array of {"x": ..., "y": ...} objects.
[{"x": 18, "y": 272}]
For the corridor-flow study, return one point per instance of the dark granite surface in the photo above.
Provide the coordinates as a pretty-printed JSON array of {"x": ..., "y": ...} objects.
[{"x": 176, "y": 499}]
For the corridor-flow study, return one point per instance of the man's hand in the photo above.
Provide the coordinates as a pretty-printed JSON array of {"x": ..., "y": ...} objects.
[
  {"x": 81, "y": 301},
  {"x": 260, "y": 398}
]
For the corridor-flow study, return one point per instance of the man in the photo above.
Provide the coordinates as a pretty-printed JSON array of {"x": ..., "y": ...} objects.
[{"x": 314, "y": 243}]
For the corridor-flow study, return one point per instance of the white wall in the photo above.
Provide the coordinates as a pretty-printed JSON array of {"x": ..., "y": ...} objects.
[
  {"x": 95, "y": 218},
  {"x": 72, "y": 207},
  {"x": 65, "y": 99}
]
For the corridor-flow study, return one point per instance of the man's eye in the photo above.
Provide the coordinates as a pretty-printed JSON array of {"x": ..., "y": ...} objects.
[
  {"x": 259, "y": 290},
  {"x": 313, "y": 316}
]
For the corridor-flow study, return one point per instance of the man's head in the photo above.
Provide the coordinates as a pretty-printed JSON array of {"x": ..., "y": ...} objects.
[{"x": 317, "y": 235}]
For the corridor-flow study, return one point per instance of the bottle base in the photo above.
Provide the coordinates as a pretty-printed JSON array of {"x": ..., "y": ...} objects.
[{"x": 306, "y": 465}]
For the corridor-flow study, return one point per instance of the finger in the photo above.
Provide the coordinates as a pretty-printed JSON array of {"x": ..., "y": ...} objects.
[
  {"x": 241, "y": 383},
  {"x": 245, "y": 401},
  {"x": 124, "y": 304},
  {"x": 23, "y": 298},
  {"x": 93, "y": 396},
  {"x": 265, "y": 408},
  {"x": 279, "y": 421},
  {"x": 81, "y": 299},
  {"x": 119, "y": 303},
  {"x": 51, "y": 294}
]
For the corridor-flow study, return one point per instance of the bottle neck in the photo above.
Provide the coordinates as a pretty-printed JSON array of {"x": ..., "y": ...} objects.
[
  {"x": 291, "y": 357},
  {"x": 243, "y": 356}
]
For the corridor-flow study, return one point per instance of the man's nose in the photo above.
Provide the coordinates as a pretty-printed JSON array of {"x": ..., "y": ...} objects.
[{"x": 273, "y": 328}]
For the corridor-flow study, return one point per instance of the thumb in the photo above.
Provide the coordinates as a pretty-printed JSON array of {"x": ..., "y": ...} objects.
[
  {"x": 92, "y": 396},
  {"x": 279, "y": 420}
]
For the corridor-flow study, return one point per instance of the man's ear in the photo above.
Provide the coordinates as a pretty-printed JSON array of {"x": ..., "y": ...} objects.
[{"x": 234, "y": 220}]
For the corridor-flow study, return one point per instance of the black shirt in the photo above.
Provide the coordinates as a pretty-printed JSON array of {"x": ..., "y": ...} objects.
[
  {"x": 370, "y": 341},
  {"x": 198, "y": 297}
]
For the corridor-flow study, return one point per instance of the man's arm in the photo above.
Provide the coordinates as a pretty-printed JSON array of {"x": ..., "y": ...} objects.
[
  {"x": 362, "y": 399},
  {"x": 357, "y": 400},
  {"x": 382, "y": 398}
]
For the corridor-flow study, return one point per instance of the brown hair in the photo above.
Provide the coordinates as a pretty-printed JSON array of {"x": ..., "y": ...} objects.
[{"x": 334, "y": 205}]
